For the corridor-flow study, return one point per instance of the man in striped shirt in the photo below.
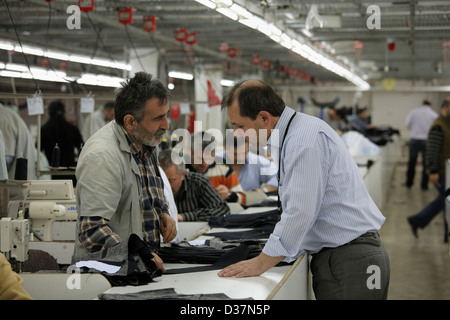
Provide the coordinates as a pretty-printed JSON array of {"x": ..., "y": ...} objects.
[
  {"x": 326, "y": 209},
  {"x": 222, "y": 177},
  {"x": 195, "y": 197},
  {"x": 437, "y": 153}
]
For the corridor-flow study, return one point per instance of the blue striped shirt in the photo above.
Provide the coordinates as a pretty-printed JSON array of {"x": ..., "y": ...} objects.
[{"x": 325, "y": 202}]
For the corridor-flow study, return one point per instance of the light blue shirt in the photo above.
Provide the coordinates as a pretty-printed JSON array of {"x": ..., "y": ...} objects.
[
  {"x": 419, "y": 122},
  {"x": 258, "y": 170},
  {"x": 325, "y": 202}
]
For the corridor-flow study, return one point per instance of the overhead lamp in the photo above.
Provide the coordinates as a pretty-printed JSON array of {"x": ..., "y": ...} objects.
[
  {"x": 234, "y": 11},
  {"x": 252, "y": 23},
  {"x": 181, "y": 75},
  {"x": 16, "y": 67},
  {"x": 12, "y": 70},
  {"x": 226, "y": 3},
  {"x": 241, "y": 11},
  {"x": 228, "y": 13},
  {"x": 227, "y": 83},
  {"x": 207, "y": 3},
  {"x": 63, "y": 56}
]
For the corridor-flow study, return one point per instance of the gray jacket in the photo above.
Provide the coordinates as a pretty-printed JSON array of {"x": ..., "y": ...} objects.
[{"x": 109, "y": 185}]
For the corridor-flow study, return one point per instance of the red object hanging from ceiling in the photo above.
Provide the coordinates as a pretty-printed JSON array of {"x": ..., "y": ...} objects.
[
  {"x": 213, "y": 99},
  {"x": 86, "y": 5},
  {"x": 150, "y": 23},
  {"x": 126, "y": 15}
]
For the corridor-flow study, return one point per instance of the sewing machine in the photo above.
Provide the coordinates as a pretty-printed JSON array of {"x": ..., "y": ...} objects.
[
  {"x": 51, "y": 209},
  {"x": 14, "y": 239}
]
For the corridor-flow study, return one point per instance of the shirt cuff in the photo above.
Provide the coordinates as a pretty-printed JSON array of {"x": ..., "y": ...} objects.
[{"x": 274, "y": 248}]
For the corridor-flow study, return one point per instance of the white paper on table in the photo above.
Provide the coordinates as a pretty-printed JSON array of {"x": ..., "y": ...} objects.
[
  {"x": 100, "y": 266},
  {"x": 197, "y": 242}
]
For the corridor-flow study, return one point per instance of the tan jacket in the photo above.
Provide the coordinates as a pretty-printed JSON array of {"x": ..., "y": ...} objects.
[{"x": 10, "y": 283}]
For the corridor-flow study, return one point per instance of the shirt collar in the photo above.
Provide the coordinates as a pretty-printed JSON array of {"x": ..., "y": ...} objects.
[
  {"x": 134, "y": 148},
  {"x": 279, "y": 130}
]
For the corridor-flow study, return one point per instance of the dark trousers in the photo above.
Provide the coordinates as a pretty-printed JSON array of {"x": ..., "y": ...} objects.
[
  {"x": 416, "y": 147},
  {"x": 431, "y": 210},
  {"x": 359, "y": 270}
]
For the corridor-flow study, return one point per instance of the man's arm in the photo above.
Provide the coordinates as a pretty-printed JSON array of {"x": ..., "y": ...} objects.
[
  {"x": 95, "y": 234},
  {"x": 250, "y": 268}
]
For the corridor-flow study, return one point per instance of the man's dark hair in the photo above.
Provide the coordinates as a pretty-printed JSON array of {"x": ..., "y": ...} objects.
[
  {"x": 426, "y": 102},
  {"x": 109, "y": 106},
  {"x": 135, "y": 92},
  {"x": 254, "y": 97}
]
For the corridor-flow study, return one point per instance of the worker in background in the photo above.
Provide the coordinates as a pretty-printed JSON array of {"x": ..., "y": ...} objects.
[
  {"x": 195, "y": 197},
  {"x": 18, "y": 144},
  {"x": 222, "y": 176},
  {"x": 120, "y": 193},
  {"x": 99, "y": 118},
  {"x": 438, "y": 152},
  {"x": 173, "y": 211},
  {"x": 325, "y": 208},
  {"x": 255, "y": 172},
  {"x": 418, "y": 122},
  {"x": 10, "y": 283},
  {"x": 58, "y": 133},
  {"x": 360, "y": 122},
  {"x": 336, "y": 118}
]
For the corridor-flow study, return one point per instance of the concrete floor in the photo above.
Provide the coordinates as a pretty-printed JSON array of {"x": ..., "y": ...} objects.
[{"x": 420, "y": 268}]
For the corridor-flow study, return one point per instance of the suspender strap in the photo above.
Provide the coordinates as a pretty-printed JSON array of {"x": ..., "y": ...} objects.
[{"x": 279, "y": 165}]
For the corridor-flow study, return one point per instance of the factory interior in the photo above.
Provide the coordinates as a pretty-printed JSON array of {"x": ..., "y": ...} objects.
[{"x": 362, "y": 67}]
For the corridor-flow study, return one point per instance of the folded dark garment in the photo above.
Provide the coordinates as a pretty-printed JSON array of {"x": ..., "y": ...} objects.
[
  {"x": 262, "y": 232},
  {"x": 251, "y": 220},
  {"x": 163, "y": 294}
]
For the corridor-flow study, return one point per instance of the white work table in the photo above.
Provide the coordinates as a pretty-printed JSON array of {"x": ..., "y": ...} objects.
[
  {"x": 277, "y": 283},
  {"x": 284, "y": 282}
]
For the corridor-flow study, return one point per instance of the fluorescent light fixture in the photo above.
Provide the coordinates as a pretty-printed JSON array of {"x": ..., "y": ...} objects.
[
  {"x": 228, "y": 13},
  {"x": 226, "y": 3},
  {"x": 12, "y": 70},
  {"x": 251, "y": 23},
  {"x": 241, "y": 11},
  {"x": 227, "y": 83},
  {"x": 29, "y": 50},
  {"x": 4, "y": 45},
  {"x": 181, "y": 75},
  {"x": 275, "y": 30},
  {"x": 263, "y": 27},
  {"x": 307, "y": 33},
  {"x": 56, "y": 55},
  {"x": 80, "y": 59},
  {"x": 16, "y": 67},
  {"x": 207, "y": 3}
]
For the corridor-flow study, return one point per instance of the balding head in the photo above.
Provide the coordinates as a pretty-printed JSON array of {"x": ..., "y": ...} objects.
[{"x": 253, "y": 96}]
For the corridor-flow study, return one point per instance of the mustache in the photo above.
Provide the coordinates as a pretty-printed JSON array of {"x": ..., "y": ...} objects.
[{"x": 160, "y": 132}]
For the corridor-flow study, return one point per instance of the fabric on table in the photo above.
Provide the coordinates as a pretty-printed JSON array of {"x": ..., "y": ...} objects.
[
  {"x": 232, "y": 256},
  {"x": 262, "y": 232},
  {"x": 208, "y": 253},
  {"x": 164, "y": 294},
  {"x": 131, "y": 255},
  {"x": 250, "y": 220}
]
